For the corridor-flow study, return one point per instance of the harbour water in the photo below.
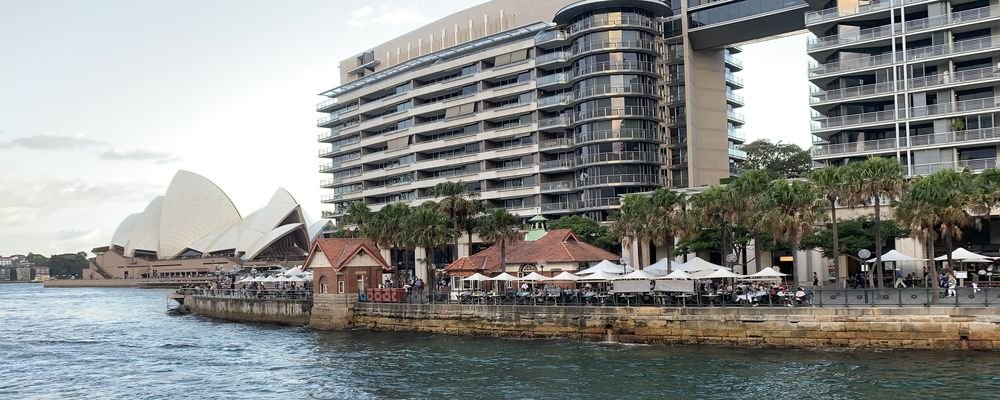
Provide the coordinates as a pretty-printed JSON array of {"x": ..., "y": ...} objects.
[{"x": 120, "y": 343}]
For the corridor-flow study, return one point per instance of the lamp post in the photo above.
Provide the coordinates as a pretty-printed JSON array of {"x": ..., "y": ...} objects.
[{"x": 624, "y": 261}]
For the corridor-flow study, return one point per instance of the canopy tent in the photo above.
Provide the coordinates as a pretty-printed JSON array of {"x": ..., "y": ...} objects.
[
  {"x": 661, "y": 266},
  {"x": 895, "y": 256},
  {"x": 504, "y": 277},
  {"x": 599, "y": 276},
  {"x": 294, "y": 271},
  {"x": 697, "y": 264},
  {"x": 566, "y": 277},
  {"x": 637, "y": 274},
  {"x": 268, "y": 279},
  {"x": 962, "y": 255},
  {"x": 722, "y": 273},
  {"x": 766, "y": 273},
  {"x": 676, "y": 275},
  {"x": 476, "y": 277},
  {"x": 606, "y": 266},
  {"x": 533, "y": 277},
  {"x": 296, "y": 279},
  {"x": 701, "y": 274}
]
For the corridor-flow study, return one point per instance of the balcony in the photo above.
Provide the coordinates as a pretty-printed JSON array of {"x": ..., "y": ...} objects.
[
  {"x": 620, "y": 179},
  {"x": 963, "y": 46},
  {"x": 733, "y": 61},
  {"x": 735, "y": 117},
  {"x": 877, "y": 32},
  {"x": 637, "y": 156},
  {"x": 947, "y": 78},
  {"x": 555, "y": 122},
  {"x": 550, "y": 36},
  {"x": 734, "y": 98},
  {"x": 558, "y": 186},
  {"x": 600, "y": 45},
  {"x": 553, "y": 57},
  {"x": 606, "y": 202},
  {"x": 736, "y": 135},
  {"x": 955, "y": 107},
  {"x": 557, "y": 100},
  {"x": 974, "y": 135},
  {"x": 853, "y": 64},
  {"x": 961, "y": 17},
  {"x": 616, "y": 112},
  {"x": 619, "y": 134},
  {"x": 856, "y": 147},
  {"x": 735, "y": 80},
  {"x": 735, "y": 171},
  {"x": 563, "y": 206},
  {"x": 554, "y": 79},
  {"x": 851, "y": 92},
  {"x": 556, "y": 143},
  {"x": 820, "y": 124},
  {"x": 830, "y": 14},
  {"x": 557, "y": 164},
  {"x": 596, "y": 22},
  {"x": 614, "y": 67},
  {"x": 973, "y": 165},
  {"x": 737, "y": 153}
]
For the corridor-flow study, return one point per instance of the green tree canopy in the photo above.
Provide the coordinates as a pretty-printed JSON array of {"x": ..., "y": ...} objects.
[
  {"x": 855, "y": 234},
  {"x": 588, "y": 230},
  {"x": 780, "y": 160}
]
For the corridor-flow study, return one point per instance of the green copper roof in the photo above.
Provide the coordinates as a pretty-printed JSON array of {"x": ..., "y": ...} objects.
[{"x": 538, "y": 218}]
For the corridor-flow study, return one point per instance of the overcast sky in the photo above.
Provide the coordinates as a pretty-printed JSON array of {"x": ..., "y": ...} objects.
[{"x": 102, "y": 101}]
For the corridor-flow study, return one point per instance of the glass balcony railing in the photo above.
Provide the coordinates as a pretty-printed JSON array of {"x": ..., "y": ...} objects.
[
  {"x": 556, "y": 56},
  {"x": 734, "y": 79},
  {"x": 814, "y": 17},
  {"x": 738, "y": 153},
  {"x": 975, "y": 165},
  {"x": 736, "y": 135},
  {"x": 820, "y": 124},
  {"x": 557, "y": 164},
  {"x": 962, "y": 46},
  {"x": 561, "y": 77},
  {"x": 550, "y": 36},
  {"x": 614, "y": 134},
  {"x": 588, "y": 46},
  {"x": 618, "y": 179},
  {"x": 554, "y": 122},
  {"x": 641, "y": 156},
  {"x": 555, "y": 143},
  {"x": 852, "y": 64},
  {"x": 557, "y": 186}
]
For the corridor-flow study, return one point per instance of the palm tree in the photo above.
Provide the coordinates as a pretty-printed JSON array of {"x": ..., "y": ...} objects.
[
  {"x": 387, "y": 227},
  {"x": 792, "y": 208},
  {"x": 714, "y": 207},
  {"x": 921, "y": 218},
  {"x": 748, "y": 191},
  {"x": 500, "y": 227},
  {"x": 457, "y": 204},
  {"x": 830, "y": 182},
  {"x": 665, "y": 221},
  {"x": 428, "y": 227},
  {"x": 951, "y": 197},
  {"x": 870, "y": 182},
  {"x": 987, "y": 192},
  {"x": 357, "y": 214},
  {"x": 630, "y": 224}
]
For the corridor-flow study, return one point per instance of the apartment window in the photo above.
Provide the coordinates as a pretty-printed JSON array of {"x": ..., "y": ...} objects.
[
  {"x": 340, "y": 286},
  {"x": 513, "y": 183},
  {"x": 523, "y": 77},
  {"x": 508, "y": 164},
  {"x": 512, "y": 57},
  {"x": 513, "y": 203},
  {"x": 524, "y": 98},
  {"x": 457, "y": 111}
]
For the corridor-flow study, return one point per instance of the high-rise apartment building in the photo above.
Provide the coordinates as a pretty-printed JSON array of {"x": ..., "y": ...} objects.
[
  {"x": 911, "y": 79},
  {"x": 541, "y": 107}
]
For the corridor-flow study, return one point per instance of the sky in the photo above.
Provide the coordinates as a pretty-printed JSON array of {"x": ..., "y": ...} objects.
[{"x": 102, "y": 101}]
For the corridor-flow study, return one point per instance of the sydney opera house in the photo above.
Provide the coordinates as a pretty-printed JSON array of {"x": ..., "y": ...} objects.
[{"x": 196, "y": 229}]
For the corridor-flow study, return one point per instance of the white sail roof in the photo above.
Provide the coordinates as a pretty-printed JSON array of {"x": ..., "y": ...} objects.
[
  {"x": 192, "y": 208},
  {"x": 124, "y": 230},
  {"x": 145, "y": 234}
]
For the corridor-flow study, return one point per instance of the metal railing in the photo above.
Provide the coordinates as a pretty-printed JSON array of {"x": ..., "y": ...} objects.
[
  {"x": 553, "y": 143},
  {"x": 595, "y": 45},
  {"x": 600, "y": 21},
  {"x": 853, "y": 64},
  {"x": 851, "y": 92},
  {"x": 248, "y": 293},
  {"x": 738, "y": 153},
  {"x": 559, "y": 99},
  {"x": 958, "y": 106},
  {"x": 561, "y": 77},
  {"x": 962, "y": 46},
  {"x": 614, "y": 66},
  {"x": 814, "y": 17},
  {"x": 853, "y": 37},
  {"x": 539, "y": 295},
  {"x": 554, "y": 122},
  {"x": 598, "y": 90},
  {"x": 651, "y": 179},
  {"x": 947, "y": 78},
  {"x": 853, "y": 119},
  {"x": 627, "y": 133},
  {"x": 557, "y": 186},
  {"x": 960, "y": 17},
  {"x": 550, "y": 36},
  {"x": 552, "y": 57},
  {"x": 973, "y": 165},
  {"x": 642, "y": 156},
  {"x": 556, "y": 164},
  {"x": 627, "y": 111},
  {"x": 856, "y": 147}
]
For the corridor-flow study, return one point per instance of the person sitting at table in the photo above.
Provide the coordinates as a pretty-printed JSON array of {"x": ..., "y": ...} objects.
[{"x": 800, "y": 295}]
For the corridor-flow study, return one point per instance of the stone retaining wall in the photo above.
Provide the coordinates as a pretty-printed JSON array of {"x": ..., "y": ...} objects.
[
  {"x": 930, "y": 327},
  {"x": 275, "y": 311}
]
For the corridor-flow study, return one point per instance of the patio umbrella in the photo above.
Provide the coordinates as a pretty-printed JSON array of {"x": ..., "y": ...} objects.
[
  {"x": 722, "y": 273},
  {"x": 599, "y": 276},
  {"x": 606, "y": 266},
  {"x": 637, "y": 275},
  {"x": 962, "y": 255},
  {"x": 895, "y": 256},
  {"x": 533, "y": 277},
  {"x": 566, "y": 276},
  {"x": 659, "y": 266},
  {"x": 676, "y": 275},
  {"x": 504, "y": 277},
  {"x": 476, "y": 277},
  {"x": 766, "y": 274},
  {"x": 697, "y": 264}
]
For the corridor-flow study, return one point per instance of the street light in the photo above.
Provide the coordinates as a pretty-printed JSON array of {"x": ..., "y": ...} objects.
[{"x": 624, "y": 265}]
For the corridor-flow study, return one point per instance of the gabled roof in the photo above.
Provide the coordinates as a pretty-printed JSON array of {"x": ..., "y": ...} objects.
[
  {"x": 556, "y": 246},
  {"x": 340, "y": 251}
]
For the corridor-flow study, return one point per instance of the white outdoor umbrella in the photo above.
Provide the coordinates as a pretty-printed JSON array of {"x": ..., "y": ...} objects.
[
  {"x": 722, "y": 273},
  {"x": 895, "y": 256},
  {"x": 294, "y": 271},
  {"x": 766, "y": 273},
  {"x": 566, "y": 276},
  {"x": 676, "y": 275},
  {"x": 533, "y": 277},
  {"x": 269, "y": 279},
  {"x": 245, "y": 280},
  {"x": 697, "y": 264},
  {"x": 637, "y": 275},
  {"x": 296, "y": 279},
  {"x": 599, "y": 276},
  {"x": 701, "y": 274},
  {"x": 962, "y": 255},
  {"x": 659, "y": 266},
  {"x": 606, "y": 266},
  {"x": 504, "y": 277},
  {"x": 476, "y": 277}
]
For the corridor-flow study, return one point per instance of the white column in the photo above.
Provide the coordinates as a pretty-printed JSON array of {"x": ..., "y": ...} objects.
[{"x": 419, "y": 253}]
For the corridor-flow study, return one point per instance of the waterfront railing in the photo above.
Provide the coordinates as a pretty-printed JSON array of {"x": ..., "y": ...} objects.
[
  {"x": 271, "y": 294},
  {"x": 824, "y": 297}
]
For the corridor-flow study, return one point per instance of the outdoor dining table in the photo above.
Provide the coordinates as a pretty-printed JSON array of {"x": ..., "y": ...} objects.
[
  {"x": 683, "y": 297},
  {"x": 712, "y": 298}
]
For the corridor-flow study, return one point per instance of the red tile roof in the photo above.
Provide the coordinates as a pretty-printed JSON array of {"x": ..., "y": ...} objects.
[
  {"x": 557, "y": 246},
  {"x": 340, "y": 251}
]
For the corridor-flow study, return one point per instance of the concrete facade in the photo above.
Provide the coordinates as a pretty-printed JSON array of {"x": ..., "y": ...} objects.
[{"x": 273, "y": 311}]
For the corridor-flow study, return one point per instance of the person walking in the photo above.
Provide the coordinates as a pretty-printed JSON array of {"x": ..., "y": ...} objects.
[
  {"x": 815, "y": 280},
  {"x": 952, "y": 284},
  {"x": 899, "y": 279}
]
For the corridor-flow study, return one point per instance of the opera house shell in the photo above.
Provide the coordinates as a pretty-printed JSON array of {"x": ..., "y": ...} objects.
[{"x": 197, "y": 219}]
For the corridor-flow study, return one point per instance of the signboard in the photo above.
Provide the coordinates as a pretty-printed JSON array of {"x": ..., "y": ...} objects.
[
  {"x": 961, "y": 275},
  {"x": 632, "y": 286}
]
